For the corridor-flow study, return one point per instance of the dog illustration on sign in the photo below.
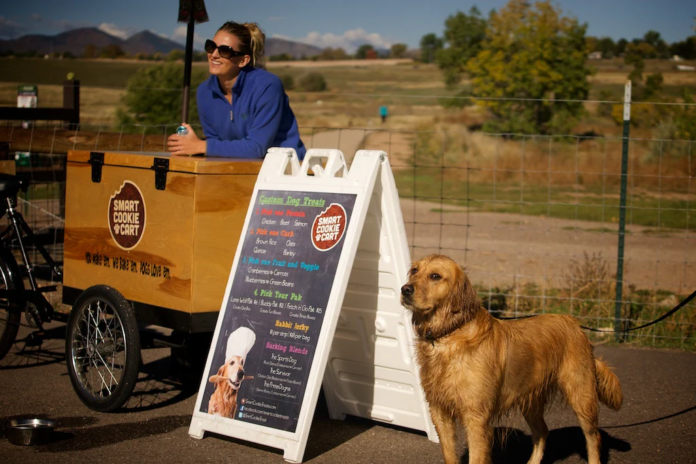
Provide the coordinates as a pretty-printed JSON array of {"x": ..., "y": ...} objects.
[{"x": 229, "y": 377}]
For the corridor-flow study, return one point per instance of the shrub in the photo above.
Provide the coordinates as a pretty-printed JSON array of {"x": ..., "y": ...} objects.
[
  {"x": 288, "y": 81},
  {"x": 153, "y": 96},
  {"x": 604, "y": 109},
  {"x": 313, "y": 82}
]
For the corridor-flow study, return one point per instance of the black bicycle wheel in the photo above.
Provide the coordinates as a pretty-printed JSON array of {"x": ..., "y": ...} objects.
[
  {"x": 102, "y": 348},
  {"x": 10, "y": 313}
]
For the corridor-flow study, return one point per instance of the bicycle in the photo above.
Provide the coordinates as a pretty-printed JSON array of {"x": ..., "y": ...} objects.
[
  {"x": 15, "y": 299},
  {"x": 102, "y": 339}
]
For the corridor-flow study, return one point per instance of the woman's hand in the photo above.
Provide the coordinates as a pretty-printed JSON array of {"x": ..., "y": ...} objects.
[{"x": 186, "y": 145}]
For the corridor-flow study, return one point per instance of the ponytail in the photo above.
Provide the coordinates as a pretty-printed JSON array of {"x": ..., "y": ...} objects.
[
  {"x": 257, "y": 43},
  {"x": 251, "y": 38}
]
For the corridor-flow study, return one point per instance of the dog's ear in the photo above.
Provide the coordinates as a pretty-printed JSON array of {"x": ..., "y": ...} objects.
[
  {"x": 464, "y": 297},
  {"x": 218, "y": 377}
]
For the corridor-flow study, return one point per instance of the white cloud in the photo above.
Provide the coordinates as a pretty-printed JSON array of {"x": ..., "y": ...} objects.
[
  {"x": 10, "y": 29},
  {"x": 116, "y": 31},
  {"x": 349, "y": 40},
  {"x": 179, "y": 35}
]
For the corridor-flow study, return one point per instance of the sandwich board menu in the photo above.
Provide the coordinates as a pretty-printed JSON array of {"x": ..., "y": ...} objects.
[
  {"x": 280, "y": 292},
  {"x": 279, "y": 313}
]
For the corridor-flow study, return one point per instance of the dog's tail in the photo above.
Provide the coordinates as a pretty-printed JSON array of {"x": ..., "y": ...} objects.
[{"x": 608, "y": 386}]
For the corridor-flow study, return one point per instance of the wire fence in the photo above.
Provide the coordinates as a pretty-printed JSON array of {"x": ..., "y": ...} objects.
[{"x": 534, "y": 219}]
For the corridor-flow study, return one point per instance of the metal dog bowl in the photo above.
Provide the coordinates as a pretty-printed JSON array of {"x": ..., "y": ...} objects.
[{"x": 30, "y": 432}]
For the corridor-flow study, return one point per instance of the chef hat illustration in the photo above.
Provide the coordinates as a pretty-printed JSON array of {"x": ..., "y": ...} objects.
[{"x": 240, "y": 342}]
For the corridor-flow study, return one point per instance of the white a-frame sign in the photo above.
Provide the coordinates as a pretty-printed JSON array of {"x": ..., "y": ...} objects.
[{"x": 314, "y": 235}]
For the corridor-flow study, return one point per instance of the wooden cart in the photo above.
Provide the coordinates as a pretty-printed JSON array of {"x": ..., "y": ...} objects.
[{"x": 149, "y": 239}]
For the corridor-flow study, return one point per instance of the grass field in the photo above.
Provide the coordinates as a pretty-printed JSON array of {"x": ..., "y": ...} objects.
[
  {"x": 591, "y": 203},
  {"x": 355, "y": 92}
]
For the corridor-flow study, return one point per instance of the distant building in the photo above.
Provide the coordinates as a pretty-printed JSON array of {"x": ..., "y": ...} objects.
[
  {"x": 371, "y": 54},
  {"x": 595, "y": 56}
]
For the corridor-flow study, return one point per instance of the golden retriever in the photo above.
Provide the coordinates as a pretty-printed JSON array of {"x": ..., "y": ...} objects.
[
  {"x": 223, "y": 401},
  {"x": 477, "y": 369}
]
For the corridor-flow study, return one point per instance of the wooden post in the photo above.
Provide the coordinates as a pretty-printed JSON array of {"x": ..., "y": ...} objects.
[{"x": 71, "y": 100}]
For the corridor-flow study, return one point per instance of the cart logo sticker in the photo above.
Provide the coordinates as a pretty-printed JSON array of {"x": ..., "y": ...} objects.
[
  {"x": 127, "y": 216},
  {"x": 328, "y": 227}
]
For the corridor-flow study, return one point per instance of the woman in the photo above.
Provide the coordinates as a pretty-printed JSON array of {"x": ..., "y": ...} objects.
[{"x": 243, "y": 108}]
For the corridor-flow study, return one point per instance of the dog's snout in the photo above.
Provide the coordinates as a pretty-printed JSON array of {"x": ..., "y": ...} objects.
[
  {"x": 240, "y": 374},
  {"x": 407, "y": 290}
]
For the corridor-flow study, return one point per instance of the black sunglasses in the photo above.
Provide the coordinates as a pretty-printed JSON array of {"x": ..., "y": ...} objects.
[{"x": 224, "y": 50}]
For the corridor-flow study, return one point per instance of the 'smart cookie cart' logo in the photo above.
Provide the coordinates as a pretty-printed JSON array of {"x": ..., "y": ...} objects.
[
  {"x": 127, "y": 216},
  {"x": 329, "y": 227}
]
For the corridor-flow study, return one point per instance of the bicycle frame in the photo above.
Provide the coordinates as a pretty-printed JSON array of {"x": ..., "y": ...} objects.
[{"x": 23, "y": 233}]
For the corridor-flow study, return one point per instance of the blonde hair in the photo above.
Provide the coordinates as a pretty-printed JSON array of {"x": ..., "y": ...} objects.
[{"x": 251, "y": 37}]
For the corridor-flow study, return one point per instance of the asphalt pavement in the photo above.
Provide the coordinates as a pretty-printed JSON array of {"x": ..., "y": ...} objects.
[{"x": 657, "y": 423}]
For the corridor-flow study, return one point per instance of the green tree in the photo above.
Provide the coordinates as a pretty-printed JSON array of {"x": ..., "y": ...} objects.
[
  {"x": 90, "y": 51},
  {"x": 281, "y": 57},
  {"x": 464, "y": 35},
  {"x": 685, "y": 116},
  {"x": 361, "y": 54},
  {"x": 153, "y": 95},
  {"x": 430, "y": 44},
  {"x": 685, "y": 49},
  {"x": 653, "y": 85},
  {"x": 398, "y": 50},
  {"x": 654, "y": 39},
  {"x": 111, "y": 51},
  {"x": 534, "y": 53},
  {"x": 634, "y": 58},
  {"x": 621, "y": 45},
  {"x": 606, "y": 46},
  {"x": 175, "y": 55},
  {"x": 329, "y": 54}
]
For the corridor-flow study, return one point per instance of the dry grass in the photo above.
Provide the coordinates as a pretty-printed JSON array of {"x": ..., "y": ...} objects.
[{"x": 272, "y": 66}]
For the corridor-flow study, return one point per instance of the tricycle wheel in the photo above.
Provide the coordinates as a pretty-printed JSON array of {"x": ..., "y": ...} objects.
[
  {"x": 10, "y": 313},
  {"x": 102, "y": 348}
]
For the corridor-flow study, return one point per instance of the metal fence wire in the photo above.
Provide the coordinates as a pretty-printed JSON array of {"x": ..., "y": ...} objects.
[{"x": 534, "y": 219}]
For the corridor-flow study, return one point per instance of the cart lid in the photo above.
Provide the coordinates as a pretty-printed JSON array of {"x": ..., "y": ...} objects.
[{"x": 191, "y": 164}]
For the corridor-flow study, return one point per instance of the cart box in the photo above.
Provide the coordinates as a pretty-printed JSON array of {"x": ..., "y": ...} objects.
[{"x": 161, "y": 230}]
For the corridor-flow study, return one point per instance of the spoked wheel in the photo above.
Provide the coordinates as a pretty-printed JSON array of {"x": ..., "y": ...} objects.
[
  {"x": 10, "y": 315},
  {"x": 102, "y": 348}
]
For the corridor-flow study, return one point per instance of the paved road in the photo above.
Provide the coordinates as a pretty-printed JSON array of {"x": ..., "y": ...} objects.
[{"x": 656, "y": 425}]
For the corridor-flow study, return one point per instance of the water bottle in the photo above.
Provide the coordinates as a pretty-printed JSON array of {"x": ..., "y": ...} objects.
[{"x": 181, "y": 130}]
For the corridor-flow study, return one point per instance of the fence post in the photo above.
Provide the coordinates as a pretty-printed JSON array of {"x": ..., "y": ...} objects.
[
  {"x": 622, "y": 211},
  {"x": 71, "y": 100}
]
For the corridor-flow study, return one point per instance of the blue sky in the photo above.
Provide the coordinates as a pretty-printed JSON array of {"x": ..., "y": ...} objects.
[{"x": 347, "y": 24}]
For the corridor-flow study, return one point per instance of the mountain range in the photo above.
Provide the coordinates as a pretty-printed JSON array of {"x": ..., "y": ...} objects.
[{"x": 146, "y": 42}]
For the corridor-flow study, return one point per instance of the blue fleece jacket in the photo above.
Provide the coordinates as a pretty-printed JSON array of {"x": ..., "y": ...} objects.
[{"x": 258, "y": 118}]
